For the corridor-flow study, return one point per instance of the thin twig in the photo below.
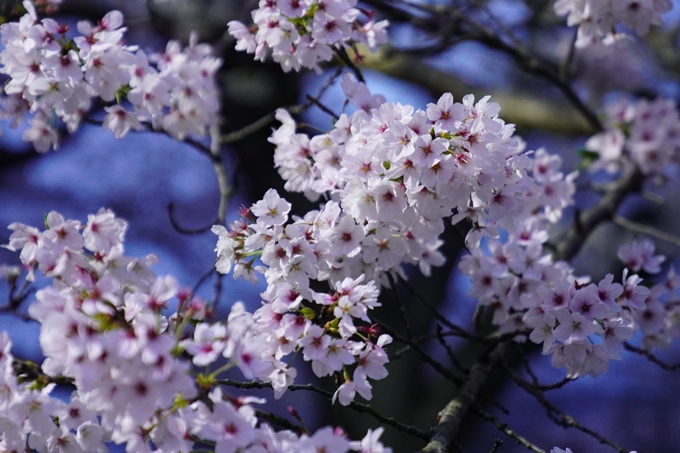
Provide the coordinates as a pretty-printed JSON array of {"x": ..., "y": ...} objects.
[
  {"x": 217, "y": 291},
  {"x": 323, "y": 108},
  {"x": 402, "y": 306},
  {"x": 555, "y": 386},
  {"x": 441, "y": 318},
  {"x": 438, "y": 367},
  {"x": 202, "y": 279},
  {"x": 448, "y": 350},
  {"x": 247, "y": 130},
  {"x": 651, "y": 357},
  {"x": 503, "y": 427},
  {"x": 358, "y": 407},
  {"x": 560, "y": 417}
]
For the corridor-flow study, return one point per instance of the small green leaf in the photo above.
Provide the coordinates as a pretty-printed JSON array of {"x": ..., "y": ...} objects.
[
  {"x": 179, "y": 402},
  {"x": 587, "y": 154},
  {"x": 205, "y": 381},
  {"x": 587, "y": 158},
  {"x": 308, "y": 313}
]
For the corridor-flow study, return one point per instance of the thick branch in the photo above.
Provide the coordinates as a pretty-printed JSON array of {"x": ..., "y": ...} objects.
[
  {"x": 605, "y": 209},
  {"x": 452, "y": 415}
]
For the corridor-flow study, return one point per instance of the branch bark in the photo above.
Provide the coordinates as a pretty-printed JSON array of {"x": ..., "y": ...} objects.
[{"x": 453, "y": 413}]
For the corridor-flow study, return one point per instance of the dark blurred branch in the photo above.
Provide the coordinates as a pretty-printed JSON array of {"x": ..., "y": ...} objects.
[
  {"x": 525, "y": 109},
  {"x": 605, "y": 209},
  {"x": 183, "y": 230},
  {"x": 8, "y": 159},
  {"x": 646, "y": 229},
  {"x": 17, "y": 295},
  {"x": 344, "y": 57},
  {"x": 27, "y": 371},
  {"x": 437, "y": 20}
]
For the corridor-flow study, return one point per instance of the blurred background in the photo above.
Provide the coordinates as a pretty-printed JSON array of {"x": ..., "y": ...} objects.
[{"x": 636, "y": 404}]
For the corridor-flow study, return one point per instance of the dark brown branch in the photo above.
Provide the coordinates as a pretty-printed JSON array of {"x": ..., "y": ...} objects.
[{"x": 402, "y": 306}]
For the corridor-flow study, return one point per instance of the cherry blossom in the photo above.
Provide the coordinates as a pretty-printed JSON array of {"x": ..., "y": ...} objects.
[
  {"x": 305, "y": 33},
  {"x": 56, "y": 77},
  {"x": 597, "y": 20}
]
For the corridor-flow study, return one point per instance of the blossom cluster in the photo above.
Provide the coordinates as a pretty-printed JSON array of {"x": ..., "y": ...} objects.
[
  {"x": 103, "y": 327},
  {"x": 294, "y": 316},
  {"x": 597, "y": 19},
  {"x": 645, "y": 134},
  {"x": 659, "y": 320},
  {"x": 391, "y": 174},
  {"x": 303, "y": 33},
  {"x": 54, "y": 75},
  {"x": 399, "y": 172},
  {"x": 582, "y": 324}
]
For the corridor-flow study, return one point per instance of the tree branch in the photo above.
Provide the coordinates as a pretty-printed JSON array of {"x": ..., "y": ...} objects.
[
  {"x": 503, "y": 427},
  {"x": 358, "y": 407},
  {"x": 646, "y": 229},
  {"x": 605, "y": 209},
  {"x": 651, "y": 357},
  {"x": 453, "y": 413}
]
